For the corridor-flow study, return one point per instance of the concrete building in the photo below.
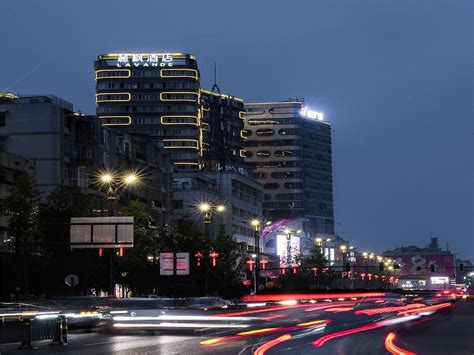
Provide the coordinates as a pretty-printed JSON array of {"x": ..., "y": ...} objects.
[
  {"x": 241, "y": 196},
  {"x": 223, "y": 141},
  {"x": 290, "y": 148},
  {"x": 430, "y": 265},
  {"x": 71, "y": 149},
  {"x": 11, "y": 166}
]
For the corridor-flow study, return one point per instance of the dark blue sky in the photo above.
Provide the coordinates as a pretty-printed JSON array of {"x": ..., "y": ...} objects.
[{"x": 395, "y": 77}]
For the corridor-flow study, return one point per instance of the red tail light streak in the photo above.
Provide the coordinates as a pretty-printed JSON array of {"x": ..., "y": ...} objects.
[
  {"x": 268, "y": 345},
  {"x": 373, "y": 311},
  {"x": 324, "y": 339},
  {"x": 339, "y": 309},
  {"x": 425, "y": 309},
  {"x": 261, "y": 310},
  {"x": 311, "y": 296},
  {"x": 320, "y": 307},
  {"x": 266, "y": 331},
  {"x": 275, "y": 316},
  {"x": 392, "y": 348}
]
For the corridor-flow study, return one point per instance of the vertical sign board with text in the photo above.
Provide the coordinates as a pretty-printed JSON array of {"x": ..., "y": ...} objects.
[
  {"x": 166, "y": 263},
  {"x": 168, "y": 266},
  {"x": 182, "y": 263}
]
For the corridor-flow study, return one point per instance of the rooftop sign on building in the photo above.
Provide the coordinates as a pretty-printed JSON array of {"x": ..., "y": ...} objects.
[{"x": 126, "y": 60}]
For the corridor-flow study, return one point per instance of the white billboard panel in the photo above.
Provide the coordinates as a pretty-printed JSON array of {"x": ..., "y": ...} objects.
[
  {"x": 282, "y": 247},
  {"x": 101, "y": 232},
  {"x": 166, "y": 263},
  {"x": 182, "y": 263}
]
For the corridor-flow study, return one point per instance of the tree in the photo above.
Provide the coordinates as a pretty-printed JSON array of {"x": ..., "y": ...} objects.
[
  {"x": 54, "y": 231},
  {"x": 21, "y": 204},
  {"x": 314, "y": 266},
  {"x": 231, "y": 262}
]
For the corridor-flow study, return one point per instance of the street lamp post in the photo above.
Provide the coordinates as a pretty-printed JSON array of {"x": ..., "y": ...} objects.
[
  {"x": 255, "y": 223},
  {"x": 343, "y": 250},
  {"x": 289, "y": 233},
  {"x": 366, "y": 256},
  {"x": 111, "y": 181},
  {"x": 207, "y": 209}
]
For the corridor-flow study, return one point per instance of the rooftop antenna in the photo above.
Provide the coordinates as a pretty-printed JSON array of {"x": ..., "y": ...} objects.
[{"x": 215, "y": 87}]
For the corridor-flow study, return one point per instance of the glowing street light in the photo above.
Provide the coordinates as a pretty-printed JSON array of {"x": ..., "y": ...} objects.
[
  {"x": 204, "y": 207},
  {"x": 130, "y": 179},
  {"x": 106, "y": 178}
]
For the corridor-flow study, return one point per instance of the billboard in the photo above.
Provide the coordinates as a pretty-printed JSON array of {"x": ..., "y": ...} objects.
[
  {"x": 101, "y": 232},
  {"x": 168, "y": 265},
  {"x": 420, "y": 264},
  {"x": 282, "y": 248}
]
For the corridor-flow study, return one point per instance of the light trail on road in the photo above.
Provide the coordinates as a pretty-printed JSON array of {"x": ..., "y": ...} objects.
[{"x": 392, "y": 348}]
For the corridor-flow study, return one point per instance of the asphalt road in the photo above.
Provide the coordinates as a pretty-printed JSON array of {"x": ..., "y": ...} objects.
[{"x": 297, "y": 330}]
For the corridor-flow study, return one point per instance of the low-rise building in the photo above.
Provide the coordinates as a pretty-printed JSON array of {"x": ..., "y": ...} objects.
[
  {"x": 71, "y": 149},
  {"x": 434, "y": 266},
  {"x": 240, "y": 195},
  {"x": 11, "y": 166}
]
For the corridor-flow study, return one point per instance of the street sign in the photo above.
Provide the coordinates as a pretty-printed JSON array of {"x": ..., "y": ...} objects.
[
  {"x": 166, "y": 263},
  {"x": 71, "y": 280},
  {"x": 101, "y": 232},
  {"x": 182, "y": 263}
]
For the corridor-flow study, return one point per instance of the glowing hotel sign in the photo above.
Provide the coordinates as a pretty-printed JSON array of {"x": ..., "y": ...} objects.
[
  {"x": 125, "y": 60},
  {"x": 305, "y": 112}
]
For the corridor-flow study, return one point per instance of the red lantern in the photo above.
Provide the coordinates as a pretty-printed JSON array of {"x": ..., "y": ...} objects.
[
  {"x": 251, "y": 263},
  {"x": 198, "y": 256},
  {"x": 214, "y": 256}
]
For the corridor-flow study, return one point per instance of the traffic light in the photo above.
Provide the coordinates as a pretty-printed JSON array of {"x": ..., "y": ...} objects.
[
  {"x": 432, "y": 267},
  {"x": 461, "y": 267},
  {"x": 101, "y": 251},
  {"x": 381, "y": 266},
  {"x": 348, "y": 267}
]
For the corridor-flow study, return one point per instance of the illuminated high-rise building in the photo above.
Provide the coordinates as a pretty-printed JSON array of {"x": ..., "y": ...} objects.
[
  {"x": 290, "y": 148},
  {"x": 159, "y": 94}
]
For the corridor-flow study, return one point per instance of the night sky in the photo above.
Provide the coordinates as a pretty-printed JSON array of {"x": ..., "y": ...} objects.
[{"x": 394, "y": 77}]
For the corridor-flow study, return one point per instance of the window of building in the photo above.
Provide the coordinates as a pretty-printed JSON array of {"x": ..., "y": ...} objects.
[
  {"x": 177, "y": 204},
  {"x": 271, "y": 186},
  {"x": 286, "y": 175},
  {"x": 289, "y": 132},
  {"x": 3, "y": 116},
  {"x": 265, "y": 132},
  {"x": 259, "y": 175},
  {"x": 263, "y": 154}
]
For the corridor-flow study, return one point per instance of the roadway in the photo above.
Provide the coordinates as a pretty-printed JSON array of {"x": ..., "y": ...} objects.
[{"x": 320, "y": 328}]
